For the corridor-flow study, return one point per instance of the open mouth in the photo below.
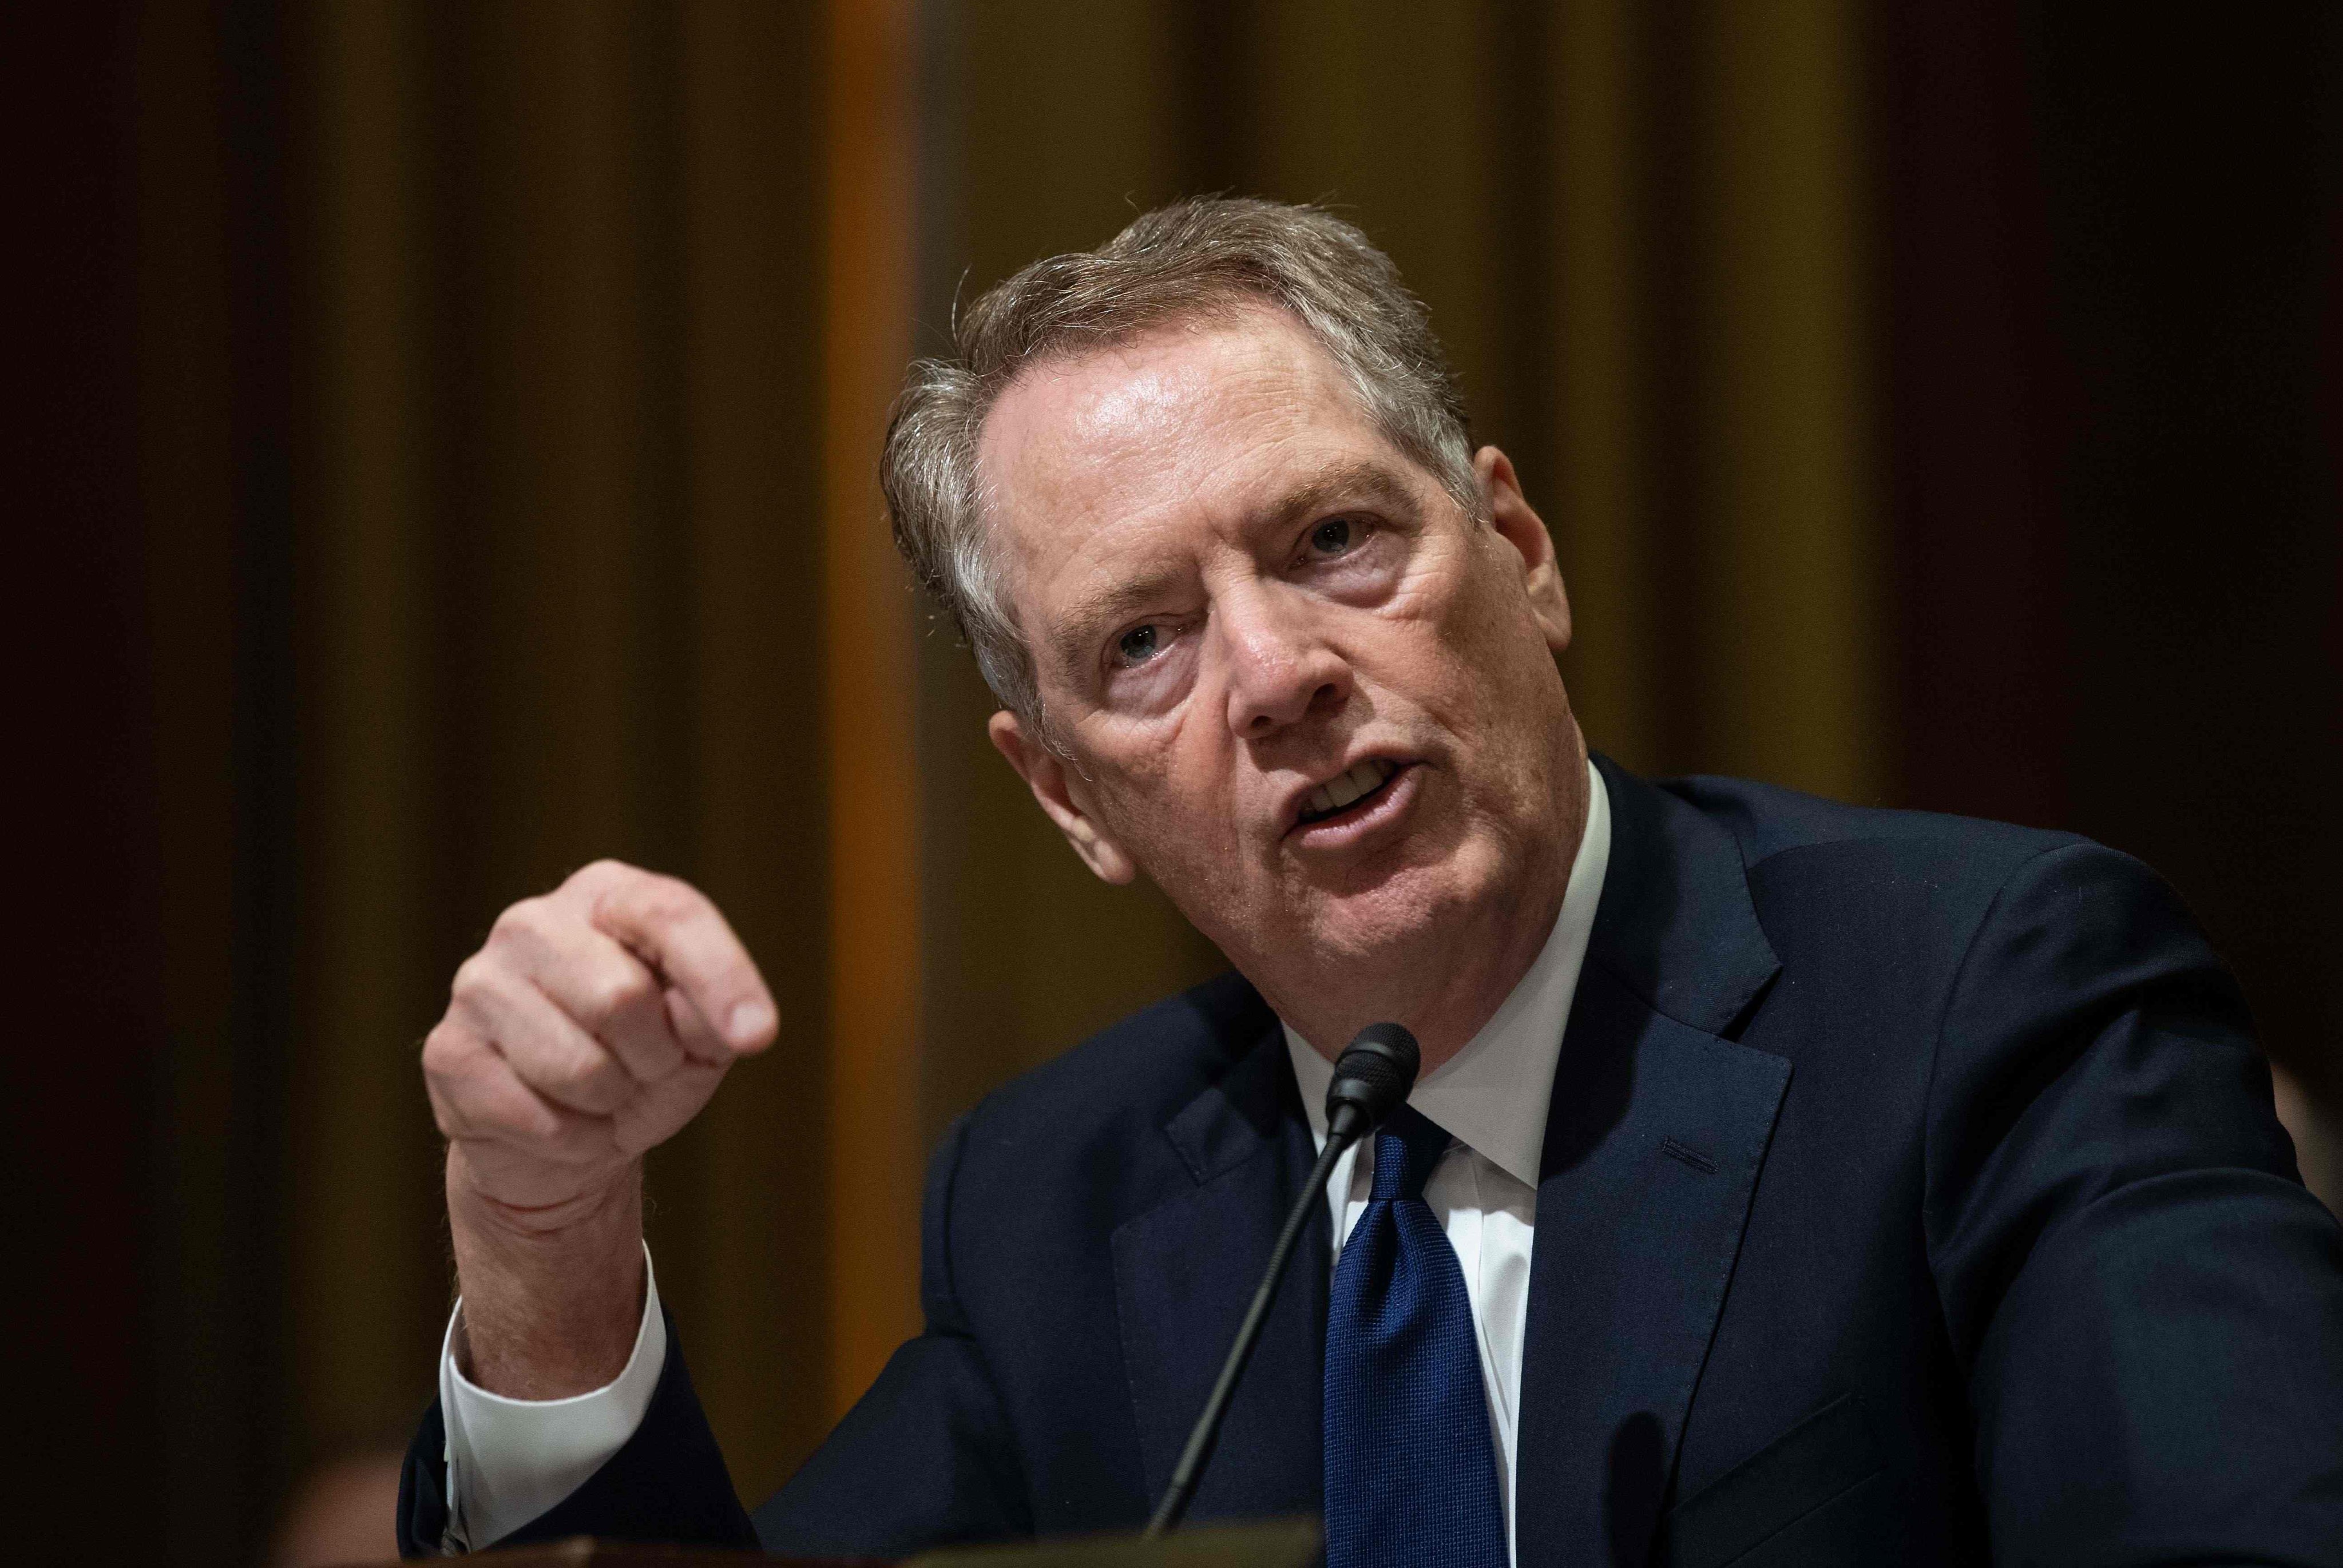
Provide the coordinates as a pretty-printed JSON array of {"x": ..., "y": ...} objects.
[{"x": 1355, "y": 790}]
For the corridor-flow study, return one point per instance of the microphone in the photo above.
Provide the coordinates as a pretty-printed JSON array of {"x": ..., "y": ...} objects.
[{"x": 1371, "y": 1080}]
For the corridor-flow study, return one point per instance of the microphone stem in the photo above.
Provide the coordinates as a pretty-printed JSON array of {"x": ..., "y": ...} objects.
[{"x": 1208, "y": 1425}]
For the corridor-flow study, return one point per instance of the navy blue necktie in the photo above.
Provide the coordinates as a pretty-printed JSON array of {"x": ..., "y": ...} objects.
[{"x": 1411, "y": 1467}]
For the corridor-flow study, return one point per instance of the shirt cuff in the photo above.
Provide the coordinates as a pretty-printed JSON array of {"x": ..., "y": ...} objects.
[{"x": 510, "y": 1460}]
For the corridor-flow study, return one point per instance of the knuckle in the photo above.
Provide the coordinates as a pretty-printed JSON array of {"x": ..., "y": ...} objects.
[
  {"x": 591, "y": 1080},
  {"x": 474, "y": 975},
  {"x": 616, "y": 990},
  {"x": 439, "y": 1047},
  {"x": 520, "y": 918},
  {"x": 597, "y": 875},
  {"x": 448, "y": 1051},
  {"x": 663, "y": 905},
  {"x": 668, "y": 898}
]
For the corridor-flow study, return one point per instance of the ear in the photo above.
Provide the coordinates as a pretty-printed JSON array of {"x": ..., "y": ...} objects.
[
  {"x": 1516, "y": 523},
  {"x": 1059, "y": 790}
]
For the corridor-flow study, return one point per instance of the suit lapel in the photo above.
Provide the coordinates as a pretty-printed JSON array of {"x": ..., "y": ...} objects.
[
  {"x": 1184, "y": 1272},
  {"x": 1654, "y": 1142},
  {"x": 1657, "y": 1130}
]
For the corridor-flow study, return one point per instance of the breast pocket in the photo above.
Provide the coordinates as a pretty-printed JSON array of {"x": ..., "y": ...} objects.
[{"x": 1818, "y": 1493}]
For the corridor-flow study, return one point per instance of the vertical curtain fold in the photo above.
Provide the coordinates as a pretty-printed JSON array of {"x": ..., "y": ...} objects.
[{"x": 510, "y": 383}]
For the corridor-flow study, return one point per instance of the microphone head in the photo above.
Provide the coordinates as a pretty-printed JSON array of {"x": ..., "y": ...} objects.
[{"x": 1373, "y": 1077}]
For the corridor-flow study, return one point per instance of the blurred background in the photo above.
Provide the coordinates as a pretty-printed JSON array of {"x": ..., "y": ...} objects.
[{"x": 446, "y": 455}]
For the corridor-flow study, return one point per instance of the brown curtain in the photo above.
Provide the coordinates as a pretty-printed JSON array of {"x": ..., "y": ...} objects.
[
  {"x": 460, "y": 450},
  {"x": 535, "y": 573}
]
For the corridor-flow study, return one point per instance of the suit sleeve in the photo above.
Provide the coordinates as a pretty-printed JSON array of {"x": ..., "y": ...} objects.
[
  {"x": 926, "y": 1458},
  {"x": 668, "y": 1483},
  {"x": 922, "y": 1459},
  {"x": 2148, "y": 1304}
]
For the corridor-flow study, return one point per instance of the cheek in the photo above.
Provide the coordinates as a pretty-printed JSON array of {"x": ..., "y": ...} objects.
[
  {"x": 1175, "y": 810},
  {"x": 1162, "y": 791},
  {"x": 1453, "y": 640},
  {"x": 1492, "y": 623},
  {"x": 1485, "y": 675}
]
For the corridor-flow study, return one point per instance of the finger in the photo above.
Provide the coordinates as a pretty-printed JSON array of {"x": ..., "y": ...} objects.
[
  {"x": 699, "y": 1037},
  {"x": 655, "y": 1115},
  {"x": 594, "y": 979},
  {"x": 477, "y": 1096},
  {"x": 548, "y": 1049},
  {"x": 679, "y": 933}
]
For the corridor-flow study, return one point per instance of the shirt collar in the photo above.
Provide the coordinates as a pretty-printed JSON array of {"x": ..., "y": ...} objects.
[{"x": 1492, "y": 1095}]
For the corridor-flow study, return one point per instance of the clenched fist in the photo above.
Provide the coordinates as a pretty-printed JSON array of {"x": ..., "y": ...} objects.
[{"x": 594, "y": 1023}]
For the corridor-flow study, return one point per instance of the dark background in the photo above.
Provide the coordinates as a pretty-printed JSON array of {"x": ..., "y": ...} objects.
[{"x": 442, "y": 457}]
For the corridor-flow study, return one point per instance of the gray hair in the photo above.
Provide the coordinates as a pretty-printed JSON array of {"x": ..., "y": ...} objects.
[{"x": 1197, "y": 259}]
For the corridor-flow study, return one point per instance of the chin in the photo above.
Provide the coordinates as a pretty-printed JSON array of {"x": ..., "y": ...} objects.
[{"x": 1402, "y": 910}]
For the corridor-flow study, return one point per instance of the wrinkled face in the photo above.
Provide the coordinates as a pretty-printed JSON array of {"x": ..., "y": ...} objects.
[{"x": 1294, "y": 681}]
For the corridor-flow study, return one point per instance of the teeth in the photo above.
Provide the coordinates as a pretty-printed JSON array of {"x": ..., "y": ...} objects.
[{"x": 1337, "y": 793}]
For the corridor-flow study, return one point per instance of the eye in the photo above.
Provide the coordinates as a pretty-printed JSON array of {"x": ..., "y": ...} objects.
[
  {"x": 1330, "y": 538},
  {"x": 1139, "y": 644}
]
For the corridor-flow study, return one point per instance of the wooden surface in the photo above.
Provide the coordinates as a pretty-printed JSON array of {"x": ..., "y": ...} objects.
[
  {"x": 1276, "y": 1543},
  {"x": 1269, "y": 1544},
  {"x": 585, "y": 1551}
]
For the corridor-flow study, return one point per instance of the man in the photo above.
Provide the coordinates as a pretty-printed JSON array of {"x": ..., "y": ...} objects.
[{"x": 1788, "y": 1183}]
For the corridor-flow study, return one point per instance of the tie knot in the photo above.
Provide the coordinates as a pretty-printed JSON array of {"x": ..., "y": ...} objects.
[{"x": 1407, "y": 1146}]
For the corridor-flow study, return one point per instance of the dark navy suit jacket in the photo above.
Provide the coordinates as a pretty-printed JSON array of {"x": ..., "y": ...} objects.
[{"x": 1911, "y": 1193}]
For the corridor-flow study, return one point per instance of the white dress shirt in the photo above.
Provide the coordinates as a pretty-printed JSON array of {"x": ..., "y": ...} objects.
[
  {"x": 510, "y": 1460},
  {"x": 1492, "y": 1097}
]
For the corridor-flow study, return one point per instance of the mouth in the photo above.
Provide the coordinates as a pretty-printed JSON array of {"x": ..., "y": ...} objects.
[{"x": 1349, "y": 796}]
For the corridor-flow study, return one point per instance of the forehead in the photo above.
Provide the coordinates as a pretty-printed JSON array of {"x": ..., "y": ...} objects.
[{"x": 1197, "y": 423}]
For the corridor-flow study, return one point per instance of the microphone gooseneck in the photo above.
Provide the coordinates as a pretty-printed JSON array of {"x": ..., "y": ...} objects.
[{"x": 1373, "y": 1077}]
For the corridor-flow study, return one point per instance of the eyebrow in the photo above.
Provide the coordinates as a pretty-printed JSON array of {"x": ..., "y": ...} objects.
[{"x": 1361, "y": 480}]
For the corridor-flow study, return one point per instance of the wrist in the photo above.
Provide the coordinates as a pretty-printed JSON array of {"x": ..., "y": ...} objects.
[
  {"x": 511, "y": 1204},
  {"x": 552, "y": 1295}
]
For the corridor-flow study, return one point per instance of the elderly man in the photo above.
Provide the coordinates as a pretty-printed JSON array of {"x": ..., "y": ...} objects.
[{"x": 1788, "y": 1183}]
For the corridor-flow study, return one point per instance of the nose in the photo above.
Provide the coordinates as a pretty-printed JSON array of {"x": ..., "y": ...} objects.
[{"x": 1281, "y": 668}]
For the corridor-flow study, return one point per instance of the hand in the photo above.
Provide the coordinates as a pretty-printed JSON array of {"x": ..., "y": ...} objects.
[{"x": 594, "y": 1023}]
